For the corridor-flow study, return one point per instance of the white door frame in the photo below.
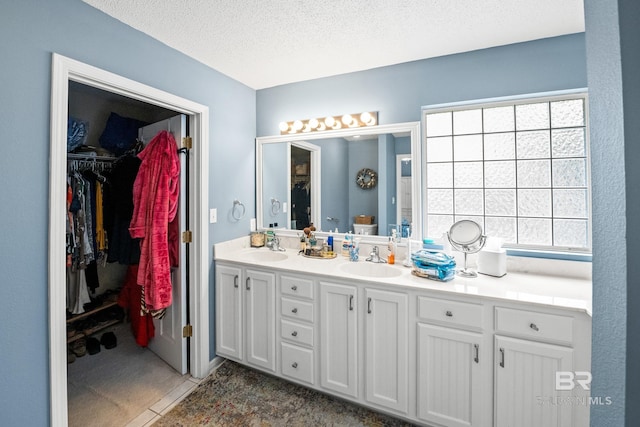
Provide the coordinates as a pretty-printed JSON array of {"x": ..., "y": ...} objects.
[{"x": 63, "y": 70}]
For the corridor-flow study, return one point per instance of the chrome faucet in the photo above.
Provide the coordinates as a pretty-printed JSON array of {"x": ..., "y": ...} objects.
[
  {"x": 374, "y": 256},
  {"x": 274, "y": 245}
]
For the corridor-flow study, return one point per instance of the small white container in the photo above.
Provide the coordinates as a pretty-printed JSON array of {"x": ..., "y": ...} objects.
[{"x": 492, "y": 262}]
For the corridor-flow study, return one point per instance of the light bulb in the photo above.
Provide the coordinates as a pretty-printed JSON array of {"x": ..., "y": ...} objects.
[
  {"x": 297, "y": 125},
  {"x": 368, "y": 119},
  {"x": 307, "y": 128},
  {"x": 284, "y": 126},
  {"x": 314, "y": 123},
  {"x": 347, "y": 119},
  {"x": 329, "y": 121}
]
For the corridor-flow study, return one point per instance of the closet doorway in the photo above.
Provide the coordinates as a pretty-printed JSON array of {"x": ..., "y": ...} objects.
[{"x": 66, "y": 72}]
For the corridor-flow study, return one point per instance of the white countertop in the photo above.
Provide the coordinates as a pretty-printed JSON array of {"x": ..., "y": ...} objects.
[{"x": 549, "y": 290}]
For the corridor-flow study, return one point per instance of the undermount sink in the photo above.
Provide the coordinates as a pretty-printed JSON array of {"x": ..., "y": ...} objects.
[
  {"x": 265, "y": 256},
  {"x": 370, "y": 269}
]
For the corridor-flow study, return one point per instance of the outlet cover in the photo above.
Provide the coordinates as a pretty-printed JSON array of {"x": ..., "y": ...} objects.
[{"x": 213, "y": 215}]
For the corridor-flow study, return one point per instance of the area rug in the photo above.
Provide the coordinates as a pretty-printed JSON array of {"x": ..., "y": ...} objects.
[{"x": 234, "y": 395}]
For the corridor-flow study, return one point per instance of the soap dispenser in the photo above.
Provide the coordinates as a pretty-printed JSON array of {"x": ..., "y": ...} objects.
[{"x": 391, "y": 258}]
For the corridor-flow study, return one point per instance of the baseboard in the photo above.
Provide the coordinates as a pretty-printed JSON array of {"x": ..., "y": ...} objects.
[{"x": 213, "y": 365}]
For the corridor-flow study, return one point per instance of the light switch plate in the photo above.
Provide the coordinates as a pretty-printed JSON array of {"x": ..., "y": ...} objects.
[
  {"x": 252, "y": 224},
  {"x": 213, "y": 215}
]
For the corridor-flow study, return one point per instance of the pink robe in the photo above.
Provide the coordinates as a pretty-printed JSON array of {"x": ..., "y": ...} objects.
[{"x": 155, "y": 204}]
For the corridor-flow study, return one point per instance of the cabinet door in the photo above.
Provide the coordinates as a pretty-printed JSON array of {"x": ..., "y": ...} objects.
[
  {"x": 339, "y": 338},
  {"x": 386, "y": 349},
  {"x": 260, "y": 293},
  {"x": 449, "y": 366},
  {"x": 229, "y": 312},
  {"x": 525, "y": 384}
]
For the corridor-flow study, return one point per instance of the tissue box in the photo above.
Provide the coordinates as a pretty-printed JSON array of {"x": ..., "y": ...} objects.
[{"x": 492, "y": 263}]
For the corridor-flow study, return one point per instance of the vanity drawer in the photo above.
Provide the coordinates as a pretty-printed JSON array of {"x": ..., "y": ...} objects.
[
  {"x": 451, "y": 312},
  {"x": 296, "y": 332},
  {"x": 296, "y": 286},
  {"x": 532, "y": 324},
  {"x": 297, "y": 362},
  {"x": 297, "y": 309}
]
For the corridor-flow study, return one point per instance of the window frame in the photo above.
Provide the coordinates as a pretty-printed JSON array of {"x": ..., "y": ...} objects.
[{"x": 526, "y": 250}]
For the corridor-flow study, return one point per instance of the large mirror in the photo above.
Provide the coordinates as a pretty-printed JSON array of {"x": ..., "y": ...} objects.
[{"x": 364, "y": 180}]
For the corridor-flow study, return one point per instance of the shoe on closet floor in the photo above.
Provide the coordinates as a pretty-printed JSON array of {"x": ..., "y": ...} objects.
[
  {"x": 79, "y": 347},
  {"x": 70, "y": 356},
  {"x": 109, "y": 340},
  {"x": 93, "y": 346}
]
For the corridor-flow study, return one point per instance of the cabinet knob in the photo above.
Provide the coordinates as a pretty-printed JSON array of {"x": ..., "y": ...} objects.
[
  {"x": 294, "y": 333},
  {"x": 294, "y": 310},
  {"x": 449, "y": 314},
  {"x": 294, "y": 365},
  {"x": 294, "y": 288},
  {"x": 534, "y": 327}
]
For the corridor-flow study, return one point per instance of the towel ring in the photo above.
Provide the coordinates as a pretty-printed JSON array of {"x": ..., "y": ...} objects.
[
  {"x": 235, "y": 211},
  {"x": 275, "y": 206}
]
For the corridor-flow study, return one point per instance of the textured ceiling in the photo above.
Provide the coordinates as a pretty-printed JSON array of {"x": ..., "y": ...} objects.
[{"x": 266, "y": 43}]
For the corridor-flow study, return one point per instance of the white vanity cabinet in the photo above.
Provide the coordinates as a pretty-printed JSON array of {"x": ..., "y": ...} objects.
[
  {"x": 297, "y": 328},
  {"x": 229, "y": 311},
  {"x": 339, "y": 338},
  {"x": 432, "y": 355},
  {"x": 452, "y": 360},
  {"x": 530, "y": 348},
  {"x": 380, "y": 322},
  {"x": 386, "y": 349},
  {"x": 245, "y": 313}
]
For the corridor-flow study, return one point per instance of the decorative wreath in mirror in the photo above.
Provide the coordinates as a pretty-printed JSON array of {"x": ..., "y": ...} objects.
[{"x": 366, "y": 178}]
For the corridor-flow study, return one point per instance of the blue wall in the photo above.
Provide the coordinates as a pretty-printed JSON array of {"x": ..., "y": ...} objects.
[
  {"x": 398, "y": 92},
  {"x": 613, "y": 67},
  {"x": 30, "y": 31}
]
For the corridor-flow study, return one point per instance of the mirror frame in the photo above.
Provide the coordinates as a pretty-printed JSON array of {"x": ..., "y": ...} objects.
[{"x": 413, "y": 128}]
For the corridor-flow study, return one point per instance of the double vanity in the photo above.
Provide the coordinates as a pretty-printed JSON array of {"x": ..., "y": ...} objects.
[{"x": 482, "y": 351}]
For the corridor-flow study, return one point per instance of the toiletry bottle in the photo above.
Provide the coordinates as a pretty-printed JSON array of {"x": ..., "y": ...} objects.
[
  {"x": 270, "y": 235},
  {"x": 391, "y": 258},
  {"x": 330, "y": 241},
  {"x": 354, "y": 250},
  {"x": 346, "y": 244}
]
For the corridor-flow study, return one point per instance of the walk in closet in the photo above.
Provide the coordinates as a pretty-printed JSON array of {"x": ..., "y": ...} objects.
[{"x": 104, "y": 354}]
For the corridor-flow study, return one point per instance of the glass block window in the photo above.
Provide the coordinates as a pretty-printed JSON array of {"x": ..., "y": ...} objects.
[{"x": 519, "y": 168}]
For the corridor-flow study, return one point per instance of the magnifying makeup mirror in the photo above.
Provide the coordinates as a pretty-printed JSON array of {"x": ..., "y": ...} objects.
[{"x": 466, "y": 236}]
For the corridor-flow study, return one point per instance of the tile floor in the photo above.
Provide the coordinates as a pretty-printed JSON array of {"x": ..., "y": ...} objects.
[{"x": 164, "y": 405}]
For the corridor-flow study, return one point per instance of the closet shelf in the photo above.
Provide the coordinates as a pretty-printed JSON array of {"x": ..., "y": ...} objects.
[
  {"x": 91, "y": 331},
  {"x": 107, "y": 304}
]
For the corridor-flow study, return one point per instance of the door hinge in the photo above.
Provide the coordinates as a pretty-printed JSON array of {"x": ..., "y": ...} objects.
[
  {"x": 187, "y": 143},
  {"x": 187, "y": 236},
  {"x": 187, "y": 331}
]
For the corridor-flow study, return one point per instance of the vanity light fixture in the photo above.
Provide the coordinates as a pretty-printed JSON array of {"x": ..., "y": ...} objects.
[{"x": 368, "y": 118}]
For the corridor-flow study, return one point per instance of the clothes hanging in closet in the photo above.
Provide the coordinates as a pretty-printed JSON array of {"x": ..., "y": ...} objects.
[
  {"x": 300, "y": 202},
  {"x": 155, "y": 199},
  {"x": 83, "y": 221},
  {"x": 130, "y": 298},
  {"x": 118, "y": 210}
]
